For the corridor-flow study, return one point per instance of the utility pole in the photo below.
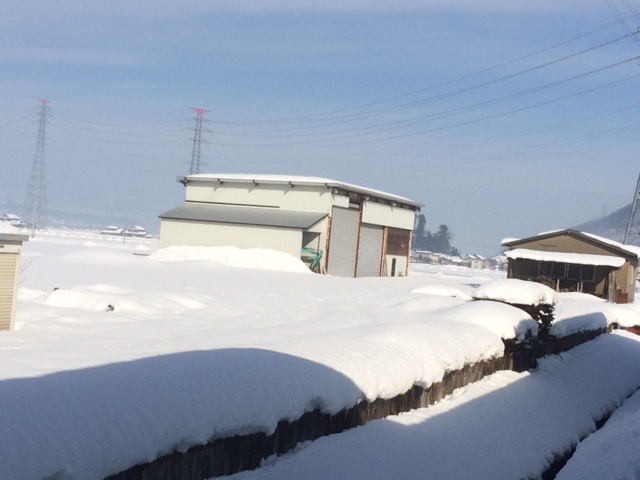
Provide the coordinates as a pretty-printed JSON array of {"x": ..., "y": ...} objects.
[
  {"x": 35, "y": 205},
  {"x": 197, "y": 141},
  {"x": 632, "y": 232}
]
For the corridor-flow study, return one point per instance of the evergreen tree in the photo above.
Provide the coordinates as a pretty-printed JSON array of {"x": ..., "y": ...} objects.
[
  {"x": 437, "y": 243},
  {"x": 442, "y": 238},
  {"x": 418, "y": 233}
]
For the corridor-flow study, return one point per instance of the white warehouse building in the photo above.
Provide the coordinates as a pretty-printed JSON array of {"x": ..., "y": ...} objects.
[{"x": 335, "y": 227}]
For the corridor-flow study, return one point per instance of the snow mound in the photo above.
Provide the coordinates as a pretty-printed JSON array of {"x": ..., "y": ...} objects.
[
  {"x": 511, "y": 290},
  {"x": 252, "y": 258},
  {"x": 106, "y": 298},
  {"x": 503, "y": 320},
  {"x": 578, "y": 312},
  {"x": 441, "y": 290}
]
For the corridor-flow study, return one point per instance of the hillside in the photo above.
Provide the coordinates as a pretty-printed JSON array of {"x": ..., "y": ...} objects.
[{"x": 611, "y": 226}]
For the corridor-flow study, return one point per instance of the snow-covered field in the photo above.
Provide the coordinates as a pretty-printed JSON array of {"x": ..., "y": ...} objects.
[{"x": 122, "y": 353}]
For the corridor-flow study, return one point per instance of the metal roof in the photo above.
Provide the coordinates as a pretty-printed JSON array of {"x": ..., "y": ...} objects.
[
  {"x": 586, "y": 237},
  {"x": 293, "y": 180},
  {"x": 272, "y": 217}
]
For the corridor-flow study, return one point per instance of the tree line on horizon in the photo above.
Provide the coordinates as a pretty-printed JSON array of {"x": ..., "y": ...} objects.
[{"x": 438, "y": 242}]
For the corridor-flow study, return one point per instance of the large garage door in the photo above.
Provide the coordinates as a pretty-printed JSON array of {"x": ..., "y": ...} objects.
[
  {"x": 343, "y": 242},
  {"x": 370, "y": 251}
]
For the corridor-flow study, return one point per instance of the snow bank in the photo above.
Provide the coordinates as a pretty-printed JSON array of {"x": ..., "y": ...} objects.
[
  {"x": 253, "y": 258},
  {"x": 504, "y": 320},
  {"x": 507, "y": 426},
  {"x": 578, "y": 312},
  {"x": 511, "y": 290},
  {"x": 611, "y": 452},
  {"x": 195, "y": 350}
]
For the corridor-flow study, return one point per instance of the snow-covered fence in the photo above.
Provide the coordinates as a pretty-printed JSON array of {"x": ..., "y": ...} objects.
[{"x": 230, "y": 455}]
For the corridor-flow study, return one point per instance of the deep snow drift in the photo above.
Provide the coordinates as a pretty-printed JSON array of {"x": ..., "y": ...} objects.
[{"x": 122, "y": 353}]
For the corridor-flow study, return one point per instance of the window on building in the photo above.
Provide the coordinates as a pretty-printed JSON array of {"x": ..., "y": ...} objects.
[
  {"x": 588, "y": 273},
  {"x": 558, "y": 270},
  {"x": 574, "y": 271},
  {"x": 398, "y": 242},
  {"x": 570, "y": 271},
  {"x": 544, "y": 269}
]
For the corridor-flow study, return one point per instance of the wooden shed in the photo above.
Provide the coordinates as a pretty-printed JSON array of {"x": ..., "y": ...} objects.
[
  {"x": 10, "y": 247},
  {"x": 337, "y": 228},
  {"x": 573, "y": 261}
]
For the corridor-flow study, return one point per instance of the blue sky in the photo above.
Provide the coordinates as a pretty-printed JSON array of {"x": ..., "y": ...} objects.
[{"x": 504, "y": 118}]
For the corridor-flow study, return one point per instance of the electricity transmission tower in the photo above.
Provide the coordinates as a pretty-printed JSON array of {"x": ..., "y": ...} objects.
[
  {"x": 632, "y": 232},
  {"x": 35, "y": 205},
  {"x": 197, "y": 141}
]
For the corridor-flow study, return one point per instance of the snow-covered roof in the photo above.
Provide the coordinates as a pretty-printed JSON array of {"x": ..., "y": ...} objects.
[
  {"x": 10, "y": 234},
  {"x": 7, "y": 228},
  {"x": 576, "y": 258},
  {"x": 298, "y": 180},
  {"x": 628, "y": 249}
]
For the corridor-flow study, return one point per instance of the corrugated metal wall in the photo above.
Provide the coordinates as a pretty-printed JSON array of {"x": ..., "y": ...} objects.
[
  {"x": 370, "y": 251},
  {"x": 343, "y": 242},
  {"x": 8, "y": 287}
]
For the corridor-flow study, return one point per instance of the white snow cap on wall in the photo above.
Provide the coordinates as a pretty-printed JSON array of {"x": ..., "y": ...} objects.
[
  {"x": 576, "y": 258},
  {"x": 511, "y": 290}
]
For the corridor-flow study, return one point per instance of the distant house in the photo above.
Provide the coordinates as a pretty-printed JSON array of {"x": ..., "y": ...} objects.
[
  {"x": 10, "y": 246},
  {"x": 568, "y": 260},
  {"x": 337, "y": 228}
]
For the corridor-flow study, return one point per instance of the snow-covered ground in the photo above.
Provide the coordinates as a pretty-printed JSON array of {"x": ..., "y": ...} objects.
[{"x": 122, "y": 353}]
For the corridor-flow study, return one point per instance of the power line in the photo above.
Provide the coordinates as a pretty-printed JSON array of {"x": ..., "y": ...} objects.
[{"x": 331, "y": 114}]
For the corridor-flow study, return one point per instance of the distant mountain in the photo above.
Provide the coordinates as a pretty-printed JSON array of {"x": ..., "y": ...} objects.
[{"x": 613, "y": 226}]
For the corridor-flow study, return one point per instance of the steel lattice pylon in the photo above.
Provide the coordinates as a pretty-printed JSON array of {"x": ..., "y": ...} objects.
[
  {"x": 35, "y": 205},
  {"x": 632, "y": 232},
  {"x": 197, "y": 141}
]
